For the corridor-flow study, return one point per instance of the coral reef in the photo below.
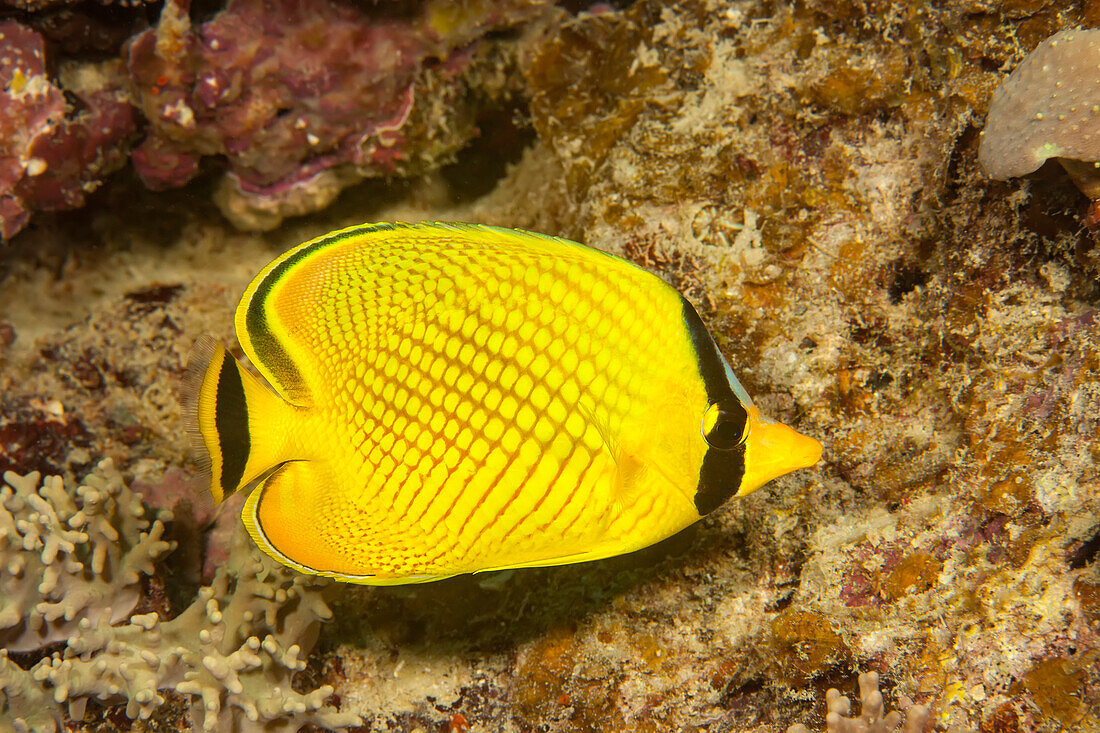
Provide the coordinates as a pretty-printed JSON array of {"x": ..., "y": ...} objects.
[
  {"x": 305, "y": 97},
  {"x": 54, "y": 148},
  {"x": 872, "y": 717},
  {"x": 68, "y": 559},
  {"x": 808, "y": 173}
]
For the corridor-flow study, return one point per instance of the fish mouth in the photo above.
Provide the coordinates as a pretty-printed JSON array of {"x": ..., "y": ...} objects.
[{"x": 772, "y": 450}]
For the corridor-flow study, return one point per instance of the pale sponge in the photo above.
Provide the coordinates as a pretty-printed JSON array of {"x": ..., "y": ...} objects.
[{"x": 1049, "y": 107}]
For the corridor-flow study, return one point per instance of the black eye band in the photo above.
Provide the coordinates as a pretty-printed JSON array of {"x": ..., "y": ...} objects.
[
  {"x": 724, "y": 462},
  {"x": 728, "y": 430},
  {"x": 726, "y": 433}
]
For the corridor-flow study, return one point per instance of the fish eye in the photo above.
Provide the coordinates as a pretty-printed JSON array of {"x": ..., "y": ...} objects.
[{"x": 723, "y": 428}]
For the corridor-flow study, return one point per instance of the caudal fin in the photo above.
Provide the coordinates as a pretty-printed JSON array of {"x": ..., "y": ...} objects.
[{"x": 221, "y": 400}]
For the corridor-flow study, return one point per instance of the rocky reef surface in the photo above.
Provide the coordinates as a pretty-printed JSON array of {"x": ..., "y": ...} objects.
[{"x": 808, "y": 174}]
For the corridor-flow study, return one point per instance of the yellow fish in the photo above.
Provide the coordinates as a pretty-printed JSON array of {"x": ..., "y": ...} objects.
[{"x": 454, "y": 398}]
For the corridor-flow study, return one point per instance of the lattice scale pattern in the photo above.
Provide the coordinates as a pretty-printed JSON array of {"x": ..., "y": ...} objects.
[{"x": 470, "y": 398}]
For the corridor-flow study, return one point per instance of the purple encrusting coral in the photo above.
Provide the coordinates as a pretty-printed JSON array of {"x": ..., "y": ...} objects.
[
  {"x": 295, "y": 78},
  {"x": 29, "y": 104},
  {"x": 53, "y": 151},
  {"x": 301, "y": 97}
]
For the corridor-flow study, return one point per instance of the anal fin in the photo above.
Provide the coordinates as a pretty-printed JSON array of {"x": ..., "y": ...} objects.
[{"x": 281, "y": 515}]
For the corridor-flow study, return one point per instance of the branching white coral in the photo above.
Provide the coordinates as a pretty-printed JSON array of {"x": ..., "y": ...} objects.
[
  {"x": 234, "y": 650},
  {"x": 24, "y": 706},
  {"x": 871, "y": 718},
  {"x": 70, "y": 557},
  {"x": 72, "y": 561}
]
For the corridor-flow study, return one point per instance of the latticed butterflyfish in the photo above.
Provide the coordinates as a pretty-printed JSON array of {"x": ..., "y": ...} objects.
[{"x": 453, "y": 398}]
